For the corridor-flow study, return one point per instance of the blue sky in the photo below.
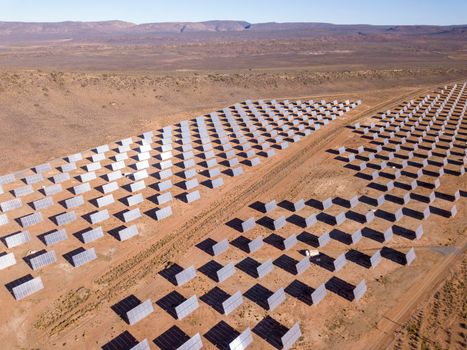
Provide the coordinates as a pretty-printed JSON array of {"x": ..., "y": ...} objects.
[{"x": 254, "y": 11}]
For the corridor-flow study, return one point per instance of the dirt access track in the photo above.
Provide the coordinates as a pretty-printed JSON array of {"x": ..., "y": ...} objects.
[{"x": 74, "y": 311}]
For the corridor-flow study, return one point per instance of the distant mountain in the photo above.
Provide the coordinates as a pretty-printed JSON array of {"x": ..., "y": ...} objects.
[{"x": 19, "y": 32}]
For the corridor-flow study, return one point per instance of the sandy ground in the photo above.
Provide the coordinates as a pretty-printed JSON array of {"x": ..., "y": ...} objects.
[{"x": 80, "y": 315}]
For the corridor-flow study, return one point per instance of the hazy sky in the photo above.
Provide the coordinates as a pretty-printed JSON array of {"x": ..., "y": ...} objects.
[{"x": 254, "y": 11}]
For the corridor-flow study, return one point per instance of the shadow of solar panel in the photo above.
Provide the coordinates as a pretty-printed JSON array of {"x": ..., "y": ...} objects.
[
  {"x": 302, "y": 265},
  {"x": 185, "y": 276},
  {"x": 276, "y": 299},
  {"x": 11, "y": 204},
  {"x": 30, "y": 220},
  {"x": 91, "y": 235},
  {"x": 359, "y": 290},
  {"x": 83, "y": 257},
  {"x": 255, "y": 244},
  {"x": 127, "y": 233},
  {"x": 225, "y": 272},
  {"x": 220, "y": 247},
  {"x": 410, "y": 256},
  {"x": 7, "y": 260},
  {"x": 242, "y": 341},
  {"x": 65, "y": 218},
  {"x": 187, "y": 307},
  {"x": 27, "y": 288},
  {"x": 264, "y": 268},
  {"x": 16, "y": 239},
  {"x": 230, "y": 304},
  {"x": 74, "y": 202},
  {"x": 139, "y": 312},
  {"x": 38, "y": 261}
]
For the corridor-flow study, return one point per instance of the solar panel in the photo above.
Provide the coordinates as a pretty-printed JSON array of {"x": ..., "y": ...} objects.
[
  {"x": 53, "y": 189},
  {"x": 83, "y": 257},
  {"x": 187, "y": 307},
  {"x": 225, "y": 272},
  {"x": 118, "y": 158},
  {"x": 31, "y": 219},
  {"x": 113, "y": 176},
  {"x": 190, "y": 163},
  {"x": 318, "y": 294},
  {"x": 166, "y": 155},
  {"x": 65, "y": 218},
  {"x": 98, "y": 157},
  {"x": 86, "y": 177},
  {"x": 299, "y": 205},
  {"x": 99, "y": 216},
  {"x": 356, "y": 236},
  {"x": 110, "y": 187},
  {"x": 187, "y": 174},
  {"x": 276, "y": 299},
  {"x": 23, "y": 191},
  {"x": 105, "y": 200},
  {"x": 255, "y": 244},
  {"x": 192, "y": 196},
  {"x": 135, "y": 199},
  {"x": 165, "y": 164},
  {"x": 248, "y": 224},
  {"x": 118, "y": 165},
  {"x": 231, "y": 303},
  {"x": 164, "y": 174},
  {"x": 74, "y": 157},
  {"x": 265, "y": 268},
  {"x": 6, "y": 179},
  {"x": 270, "y": 206},
  {"x": 139, "y": 312},
  {"x": 59, "y": 178},
  {"x": 237, "y": 171},
  {"x": 131, "y": 215},
  {"x": 83, "y": 188},
  {"x": 74, "y": 202},
  {"x": 302, "y": 265},
  {"x": 55, "y": 237},
  {"x": 190, "y": 184},
  {"x": 93, "y": 166},
  {"x": 137, "y": 186},
  {"x": 92, "y": 235},
  {"x": 185, "y": 276},
  {"x": 32, "y": 179},
  {"x": 242, "y": 341},
  {"x": 143, "y": 156},
  {"x": 324, "y": 239},
  {"x": 213, "y": 172},
  {"x": 375, "y": 259},
  {"x": 128, "y": 233},
  {"x": 101, "y": 149},
  {"x": 11, "y": 204},
  {"x": 42, "y": 260},
  {"x": 359, "y": 290},
  {"x": 163, "y": 213},
  {"x": 290, "y": 241},
  {"x": 27, "y": 288},
  {"x": 339, "y": 262},
  {"x": 7, "y": 260},
  {"x": 42, "y": 168},
  {"x": 220, "y": 247},
  {"x": 410, "y": 256},
  {"x": 289, "y": 338},
  {"x": 164, "y": 185},
  {"x": 139, "y": 175},
  {"x": 194, "y": 343},
  {"x": 164, "y": 198}
]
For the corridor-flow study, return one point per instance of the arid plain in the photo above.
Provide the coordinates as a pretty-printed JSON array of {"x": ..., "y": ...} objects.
[{"x": 64, "y": 91}]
